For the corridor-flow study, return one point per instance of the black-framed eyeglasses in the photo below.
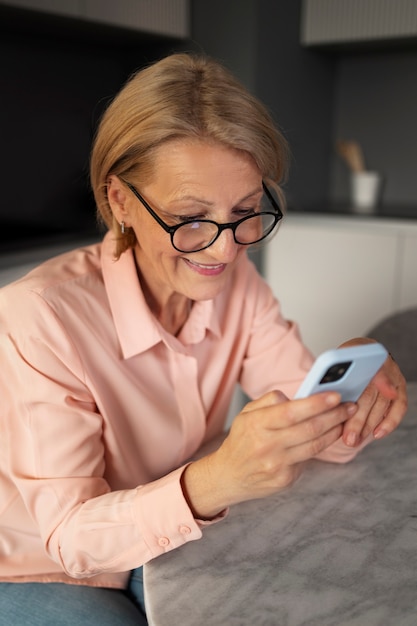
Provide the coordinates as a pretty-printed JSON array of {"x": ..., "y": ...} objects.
[{"x": 195, "y": 235}]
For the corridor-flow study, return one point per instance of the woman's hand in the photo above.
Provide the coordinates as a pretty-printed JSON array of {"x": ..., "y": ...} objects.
[
  {"x": 264, "y": 450},
  {"x": 382, "y": 405}
]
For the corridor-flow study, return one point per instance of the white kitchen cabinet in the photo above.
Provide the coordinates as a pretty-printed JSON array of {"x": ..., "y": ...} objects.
[
  {"x": 338, "y": 276},
  {"x": 408, "y": 276}
]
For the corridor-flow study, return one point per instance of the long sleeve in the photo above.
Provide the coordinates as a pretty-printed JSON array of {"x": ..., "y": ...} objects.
[
  {"x": 57, "y": 460},
  {"x": 93, "y": 442},
  {"x": 101, "y": 410}
]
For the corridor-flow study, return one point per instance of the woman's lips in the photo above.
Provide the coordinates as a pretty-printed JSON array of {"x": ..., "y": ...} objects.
[{"x": 205, "y": 269}]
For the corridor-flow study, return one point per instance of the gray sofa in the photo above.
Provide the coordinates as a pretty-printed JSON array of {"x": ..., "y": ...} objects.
[{"x": 398, "y": 333}]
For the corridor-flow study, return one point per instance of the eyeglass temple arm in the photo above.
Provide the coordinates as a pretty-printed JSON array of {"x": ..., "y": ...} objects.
[{"x": 272, "y": 199}]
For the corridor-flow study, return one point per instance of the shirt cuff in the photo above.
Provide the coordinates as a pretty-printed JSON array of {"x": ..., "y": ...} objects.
[{"x": 164, "y": 516}]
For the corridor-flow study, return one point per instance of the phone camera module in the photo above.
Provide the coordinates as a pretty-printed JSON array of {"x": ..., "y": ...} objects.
[{"x": 335, "y": 372}]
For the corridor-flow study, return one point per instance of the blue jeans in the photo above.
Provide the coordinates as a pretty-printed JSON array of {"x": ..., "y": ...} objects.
[{"x": 57, "y": 604}]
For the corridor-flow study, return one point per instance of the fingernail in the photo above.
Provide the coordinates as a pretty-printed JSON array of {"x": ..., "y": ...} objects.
[
  {"x": 380, "y": 433},
  {"x": 333, "y": 398},
  {"x": 351, "y": 408},
  {"x": 351, "y": 439}
]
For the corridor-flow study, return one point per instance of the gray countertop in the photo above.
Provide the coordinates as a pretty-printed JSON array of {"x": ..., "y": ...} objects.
[{"x": 338, "y": 548}]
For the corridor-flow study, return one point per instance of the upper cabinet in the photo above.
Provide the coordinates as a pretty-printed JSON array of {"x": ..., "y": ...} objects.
[
  {"x": 335, "y": 22},
  {"x": 161, "y": 17}
]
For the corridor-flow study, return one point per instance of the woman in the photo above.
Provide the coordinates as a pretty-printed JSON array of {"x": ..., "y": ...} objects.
[{"x": 120, "y": 360}]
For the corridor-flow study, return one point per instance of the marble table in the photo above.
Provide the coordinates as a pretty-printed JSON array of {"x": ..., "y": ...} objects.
[{"x": 338, "y": 548}]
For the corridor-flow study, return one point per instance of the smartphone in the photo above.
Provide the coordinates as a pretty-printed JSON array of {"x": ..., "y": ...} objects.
[{"x": 345, "y": 370}]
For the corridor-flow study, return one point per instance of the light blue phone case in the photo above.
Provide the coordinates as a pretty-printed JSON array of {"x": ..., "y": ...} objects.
[{"x": 361, "y": 363}]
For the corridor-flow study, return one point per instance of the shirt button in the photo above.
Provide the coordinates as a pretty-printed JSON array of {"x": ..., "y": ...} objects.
[
  {"x": 185, "y": 530},
  {"x": 163, "y": 541}
]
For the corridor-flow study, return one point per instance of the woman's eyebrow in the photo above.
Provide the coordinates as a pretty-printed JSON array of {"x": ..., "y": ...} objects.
[
  {"x": 257, "y": 191},
  {"x": 209, "y": 203},
  {"x": 194, "y": 199}
]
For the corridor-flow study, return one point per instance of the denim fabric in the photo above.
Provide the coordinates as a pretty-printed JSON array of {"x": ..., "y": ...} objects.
[
  {"x": 56, "y": 604},
  {"x": 135, "y": 588}
]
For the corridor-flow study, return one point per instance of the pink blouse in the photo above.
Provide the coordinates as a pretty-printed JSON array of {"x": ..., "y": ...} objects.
[{"x": 101, "y": 408}]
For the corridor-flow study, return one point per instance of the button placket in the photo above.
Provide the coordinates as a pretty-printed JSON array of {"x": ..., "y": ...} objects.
[{"x": 190, "y": 406}]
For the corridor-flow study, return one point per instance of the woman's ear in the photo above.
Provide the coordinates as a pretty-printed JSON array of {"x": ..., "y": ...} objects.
[{"x": 118, "y": 199}]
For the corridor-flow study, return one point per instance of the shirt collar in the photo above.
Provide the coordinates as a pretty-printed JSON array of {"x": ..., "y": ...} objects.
[{"x": 136, "y": 327}]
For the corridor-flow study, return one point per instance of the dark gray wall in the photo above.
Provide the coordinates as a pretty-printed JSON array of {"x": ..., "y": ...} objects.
[
  {"x": 259, "y": 41},
  {"x": 228, "y": 31},
  {"x": 376, "y": 104},
  {"x": 297, "y": 86},
  {"x": 320, "y": 95},
  {"x": 57, "y": 75}
]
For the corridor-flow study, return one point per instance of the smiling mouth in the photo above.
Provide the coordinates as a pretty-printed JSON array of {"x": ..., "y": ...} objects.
[{"x": 207, "y": 270}]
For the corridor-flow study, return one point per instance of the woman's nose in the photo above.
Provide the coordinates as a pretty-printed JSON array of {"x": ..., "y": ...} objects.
[{"x": 225, "y": 248}]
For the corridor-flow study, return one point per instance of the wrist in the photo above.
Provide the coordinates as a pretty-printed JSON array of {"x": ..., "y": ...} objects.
[{"x": 201, "y": 491}]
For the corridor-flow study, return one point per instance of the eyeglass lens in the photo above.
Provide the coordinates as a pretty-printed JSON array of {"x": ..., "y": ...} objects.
[
  {"x": 197, "y": 235},
  {"x": 194, "y": 236}
]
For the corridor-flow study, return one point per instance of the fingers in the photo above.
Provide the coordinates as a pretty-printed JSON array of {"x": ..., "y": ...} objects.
[
  {"x": 371, "y": 408},
  {"x": 308, "y": 438},
  {"x": 295, "y": 411},
  {"x": 294, "y": 431},
  {"x": 381, "y": 419},
  {"x": 385, "y": 384},
  {"x": 297, "y": 429},
  {"x": 392, "y": 385},
  {"x": 393, "y": 416},
  {"x": 271, "y": 437},
  {"x": 380, "y": 408}
]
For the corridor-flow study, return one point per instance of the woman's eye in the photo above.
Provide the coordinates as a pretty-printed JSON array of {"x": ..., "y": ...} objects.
[
  {"x": 184, "y": 219},
  {"x": 244, "y": 212}
]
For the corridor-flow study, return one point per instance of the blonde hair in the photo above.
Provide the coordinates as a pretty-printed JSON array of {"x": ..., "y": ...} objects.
[{"x": 183, "y": 96}]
